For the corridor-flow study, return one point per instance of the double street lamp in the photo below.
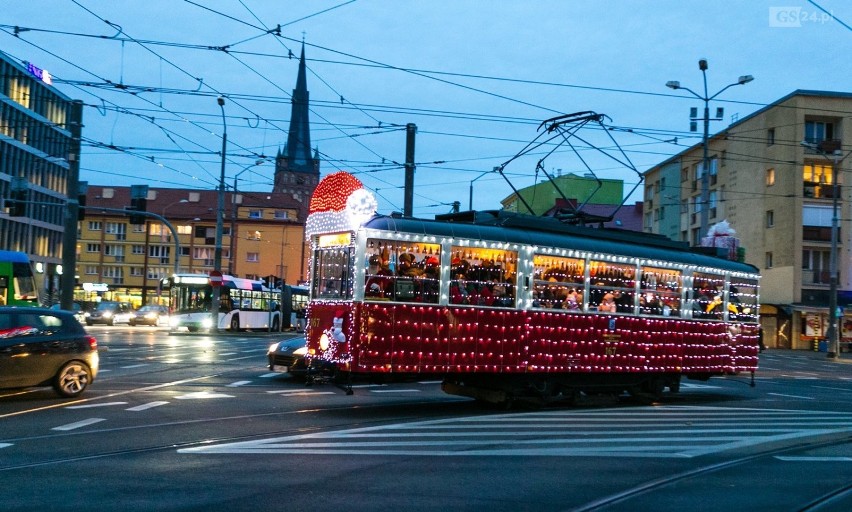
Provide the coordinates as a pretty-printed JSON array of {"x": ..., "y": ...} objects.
[
  {"x": 705, "y": 176},
  {"x": 837, "y": 157}
]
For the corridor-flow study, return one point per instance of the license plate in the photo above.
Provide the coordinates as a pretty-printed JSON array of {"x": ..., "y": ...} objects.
[{"x": 279, "y": 368}]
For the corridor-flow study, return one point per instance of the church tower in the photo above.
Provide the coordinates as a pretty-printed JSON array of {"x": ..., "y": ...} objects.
[{"x": 296, "y": 167}]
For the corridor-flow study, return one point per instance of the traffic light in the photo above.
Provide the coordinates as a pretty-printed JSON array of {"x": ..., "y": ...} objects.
[
  {"x": 138, "y": 203},
  {"x": 18, "y": 197},
  {"x": 82, "y": 188}
]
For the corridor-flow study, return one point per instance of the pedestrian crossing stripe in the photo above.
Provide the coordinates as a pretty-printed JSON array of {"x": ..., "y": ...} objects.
[{"x": 659, "y": 432}]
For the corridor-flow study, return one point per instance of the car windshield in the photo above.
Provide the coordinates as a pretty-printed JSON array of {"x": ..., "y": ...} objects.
[
  {"x": 149, "y": 308},
  {"x": 103, "y": 306}
]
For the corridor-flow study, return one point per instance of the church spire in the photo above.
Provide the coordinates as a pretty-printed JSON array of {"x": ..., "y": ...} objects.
[
  {"x": 297, "y": 166},
  {"x": 299, "y": 136}
]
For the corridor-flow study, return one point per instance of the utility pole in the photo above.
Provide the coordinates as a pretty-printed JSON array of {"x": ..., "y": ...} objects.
[
  {"x": 69, "y": 237},
  {"x": 410, "y": 131}
]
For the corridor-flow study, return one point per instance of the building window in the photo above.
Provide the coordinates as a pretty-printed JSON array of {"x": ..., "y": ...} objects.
[
  {"x": 137, "y": 249},
  {"x": 724, "y": 159},
  {"x": 91, "y": 270},
  {"x": 282, "y": 215},
  {"x": 770, "y": 137},
  {"x": 768, "y": 260},
  {"x": 770, "y": 218},
  {"x": 136, "y": 272},
  {"x": 115, "y": 228},
  {"x": 95, "y": 225},
  {"x": 253, "y": 257},
  {"x": 818, "y": 131},
  {"x": 93, "y": 248},
  {"x": 138, "y": 228},
  {"x": 770, "y": 177},
  {"x": 684, "y": 175},
  {"x": 818, "y": 180},
  {"x": 255, "y": 214},
  {"x": 113, "y": 272}
]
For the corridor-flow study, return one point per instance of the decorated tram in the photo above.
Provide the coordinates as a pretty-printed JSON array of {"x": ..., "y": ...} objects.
[{"x": 502, "y": 306}]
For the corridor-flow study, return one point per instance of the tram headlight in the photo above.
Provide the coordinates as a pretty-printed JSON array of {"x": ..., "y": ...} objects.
[{"x": 324, "y": 341}]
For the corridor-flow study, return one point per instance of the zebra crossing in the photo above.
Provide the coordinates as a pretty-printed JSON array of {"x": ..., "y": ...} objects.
[{"x": 659, "y": 432}]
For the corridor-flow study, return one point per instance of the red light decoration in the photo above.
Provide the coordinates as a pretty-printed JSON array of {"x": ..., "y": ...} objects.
[{"x": 333, "y": 191}]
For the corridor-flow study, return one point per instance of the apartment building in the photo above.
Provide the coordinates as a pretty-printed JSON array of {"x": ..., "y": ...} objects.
[
  {"x": 778, "y": 195},
  {"x": 263, "y": 238}
]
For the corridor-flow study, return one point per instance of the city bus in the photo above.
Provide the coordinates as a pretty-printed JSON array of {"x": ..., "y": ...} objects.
[
  {"x": 503, "y": 306},
  {"x": 243, "y": 303},
  {"x": 294, "y": 304},
  {"x": 17, "y": 281}
]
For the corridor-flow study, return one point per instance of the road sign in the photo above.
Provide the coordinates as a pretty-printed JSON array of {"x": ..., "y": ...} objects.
[{"x": 215, "y": 278}]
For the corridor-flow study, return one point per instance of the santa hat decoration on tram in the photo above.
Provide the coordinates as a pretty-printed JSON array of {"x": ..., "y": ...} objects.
[{"x": 339, "y": 203}]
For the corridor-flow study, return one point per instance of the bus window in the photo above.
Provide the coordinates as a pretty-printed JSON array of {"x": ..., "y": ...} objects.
[
  {"x": 333, "y": 273},
  {"x": 402, "y": 271},
  {"x": 558, "y": 282},
  {"x": 707, "y": 295},
  {"x": 612, "y": 287},
  {"x": 742, "y": 300},
  {"x": 477, "y": 272},
  {"x": 660, "y": 291}
]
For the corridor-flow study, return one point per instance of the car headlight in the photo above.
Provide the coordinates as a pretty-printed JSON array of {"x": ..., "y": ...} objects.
[
  {"x": 151, "y": 315},
  {"x": 273, "y": 347},
  {"x": 207, "y": 323},
  {"x": 107, "y": 314},
  {"x": 301, "y": 351}
]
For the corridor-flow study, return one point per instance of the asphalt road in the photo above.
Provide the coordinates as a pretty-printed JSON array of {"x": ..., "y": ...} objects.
[{"x": 197, "y": 422}]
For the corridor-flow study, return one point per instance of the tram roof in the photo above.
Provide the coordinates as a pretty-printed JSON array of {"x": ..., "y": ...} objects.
[{"x": 510, "y": 227}]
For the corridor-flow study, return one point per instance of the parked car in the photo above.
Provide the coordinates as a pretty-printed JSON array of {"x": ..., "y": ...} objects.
[
  {"x": 110, "y": 313},
  {"x": 46, "y": 347},
  {"x": 78, "y": 309},
  {"x": 150, "y": 315},
  {"x": 288, "y": 356}
]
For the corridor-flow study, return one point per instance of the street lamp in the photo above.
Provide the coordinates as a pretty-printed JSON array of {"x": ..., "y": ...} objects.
[
  {"x": 233, "y": 246},
  {"x": 705, "y": 176},
  {"x": 837, "y": 157},
  {"x": 217, "y": 253}
]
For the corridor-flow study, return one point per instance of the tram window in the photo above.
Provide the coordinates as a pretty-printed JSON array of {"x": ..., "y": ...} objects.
[
  {"x": 477, "y": 273},
  {"x": 558, "y": 282},
  {"x": 742, "y": 299},
  {"x": 333, "y": 273},
  {"x": 402, "y": 271},
  {"x": 707, "y": 295},
  {"x": 660, "y": 292},
  {"x": 612, "y": 287}
]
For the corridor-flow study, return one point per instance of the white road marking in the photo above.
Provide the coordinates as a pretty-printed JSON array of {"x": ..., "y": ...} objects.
[
  {"x": 228, "y": 353},
  {"x": 813, "y": 459},
  {"x": 78, "y": 424},
  {"x": 134, "y": 366},
  {"x": 791, "y": 396},
  {"x": 238, "y": 383},
  {"x": 4, "y": 445},
  {"x": 90, "y": 406},
  {"x": 660, "y": 432},
  {"x": 299, "y": 392},
  {"x": 395, "y": 391},
  {"x": 203, "y": 395},
  {"x": 267, "y": 375},
  {"x": 143, "y": 407}
]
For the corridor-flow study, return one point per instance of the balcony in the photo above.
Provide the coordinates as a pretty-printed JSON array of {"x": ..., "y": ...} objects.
[
  {"x": 818, "y": 234},
  {"x": 816, "y": 277}
]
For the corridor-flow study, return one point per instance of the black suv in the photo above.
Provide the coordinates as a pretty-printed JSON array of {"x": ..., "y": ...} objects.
[{"x": 45, "y": 347}]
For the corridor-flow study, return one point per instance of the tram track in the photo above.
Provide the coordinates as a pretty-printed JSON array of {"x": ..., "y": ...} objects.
[{"x": 662, "y": 483}]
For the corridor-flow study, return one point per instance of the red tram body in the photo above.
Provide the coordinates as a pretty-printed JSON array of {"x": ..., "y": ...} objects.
[{"x": 508, "y": 306}]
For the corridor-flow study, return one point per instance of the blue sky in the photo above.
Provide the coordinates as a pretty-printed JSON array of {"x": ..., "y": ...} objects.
[{"x": 477, "y": 78}]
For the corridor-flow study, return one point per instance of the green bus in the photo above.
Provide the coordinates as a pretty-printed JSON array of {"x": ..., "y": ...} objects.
[{"x": 17, "y": 281}]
